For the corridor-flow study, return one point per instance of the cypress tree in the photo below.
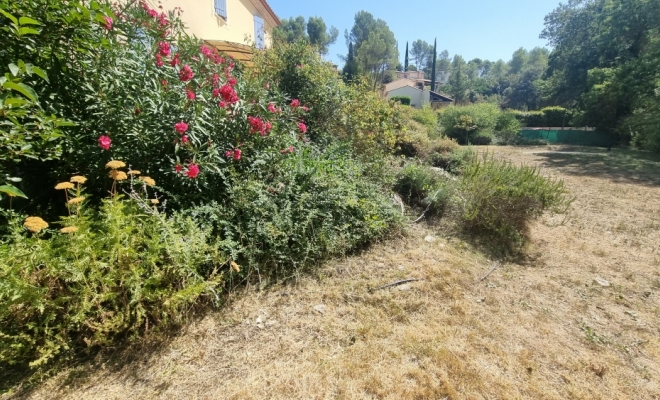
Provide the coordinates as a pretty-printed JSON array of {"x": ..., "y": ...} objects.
[
  {"x": 405, "y": 65},
  {"x": 435, "y": 55},
  {"x": 350, "y": 69}
]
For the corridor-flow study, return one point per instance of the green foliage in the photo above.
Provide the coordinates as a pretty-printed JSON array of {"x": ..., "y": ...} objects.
[
  {"x": 499, "y": 199},
  {"x": 474, "y": 123},
  {"x": 318, "y": 205},
  {"x": 452, "y": 160},
  {"x": 419, "y": 185},
  {"x": 404, "y": 100},
  {"x": 122, "y": 270},
  {"x": 314, "y": 31},
  {"x": 507, "y": 126},
  {"x": 427, "y": 117}
]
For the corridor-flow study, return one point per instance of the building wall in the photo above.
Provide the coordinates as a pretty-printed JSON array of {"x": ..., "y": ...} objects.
[
  {"x": 416, "y": 95},
  {"x": 201, "y": 20},
  {"x": 410, "y": 74}
]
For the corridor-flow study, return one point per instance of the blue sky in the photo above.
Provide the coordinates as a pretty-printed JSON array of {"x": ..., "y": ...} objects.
[{"x": 488, "y": 29}]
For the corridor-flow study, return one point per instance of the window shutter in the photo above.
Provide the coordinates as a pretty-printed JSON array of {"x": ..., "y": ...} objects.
[
  {"x": 221, "y": 8},
  {"x": 259, "y": 32}
]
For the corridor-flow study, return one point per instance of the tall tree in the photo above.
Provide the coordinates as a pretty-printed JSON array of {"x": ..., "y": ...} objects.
[
  {"x": 319, "y": 36},
  {"x": 405, "y": 65},
  {"x": 458, "y": 80},
  {"x": 433, "y": 70},
  {"x": 420, "y": 52},
  {"x": 350, "y": 70},
  {"x": 291, "y": 30}
]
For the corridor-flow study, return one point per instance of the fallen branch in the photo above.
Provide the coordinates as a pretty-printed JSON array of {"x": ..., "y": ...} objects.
[
  {"x": 495, "y": 264},
  {"x": 399, "y": 201},
  {"x": 397, "y": 283}
]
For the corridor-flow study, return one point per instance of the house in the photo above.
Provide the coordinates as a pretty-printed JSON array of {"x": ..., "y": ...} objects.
[
  {"x": 227, "y": 24},
  {"x": 418, "y": 94},
  {"x": 419, "y": 77}
]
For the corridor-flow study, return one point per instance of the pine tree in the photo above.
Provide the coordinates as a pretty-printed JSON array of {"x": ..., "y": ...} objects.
[
  {"x": 405, "y": 65},
  {"x": 435, "y": 56}
]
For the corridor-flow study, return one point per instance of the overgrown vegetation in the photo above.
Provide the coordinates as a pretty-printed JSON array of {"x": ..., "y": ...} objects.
[{"x": 478, "y": 124}]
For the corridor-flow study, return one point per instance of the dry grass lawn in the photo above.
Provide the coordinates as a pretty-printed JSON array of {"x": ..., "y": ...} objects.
[{"x": 542, "y": 328}]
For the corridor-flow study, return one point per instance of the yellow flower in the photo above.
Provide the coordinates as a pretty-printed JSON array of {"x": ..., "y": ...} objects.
[
  {"x": 148, "y": 181},
  {"x": 64, "y": 185},
  {"x": 118, "y": 175},
  {"x": 69, "y": 229},
  {"x": 134, "y": 172},
  {"x": 114, "y": 164},
  {"x": 154, "y": 201},
  {"x": 35, "y": 224},
  {"x": 235, "y": 267},
  {"x": 76, "y": 200},
  {"x": 78, "y": 179}
]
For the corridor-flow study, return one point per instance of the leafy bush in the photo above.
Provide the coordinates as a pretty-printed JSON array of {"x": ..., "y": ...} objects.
[
  {"x": 452, "y": 161},
  {"x": 546, "y": 117},
  {"x": 428, "y": 117},
  {"x": 318, "y": 205},
  {"x": 507, "y": 126},
  {"x": 404, "y": 100},
  {"x": 466, "y": 123},
  {"x": 500, "y": 199},
  {"x": 419, "y": 185},
  {"x": 107, "y": 274}
]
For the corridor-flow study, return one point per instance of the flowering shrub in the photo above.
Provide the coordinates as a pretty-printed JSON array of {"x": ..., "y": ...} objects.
[{"x": 95, "y": 276}]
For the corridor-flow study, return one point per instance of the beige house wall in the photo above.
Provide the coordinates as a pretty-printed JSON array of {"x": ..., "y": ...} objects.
[{"x": 201, "y": 20}]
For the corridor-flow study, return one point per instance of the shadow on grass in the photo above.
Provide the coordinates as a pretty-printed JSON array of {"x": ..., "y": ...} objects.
[{"x": 618, "y": 165}]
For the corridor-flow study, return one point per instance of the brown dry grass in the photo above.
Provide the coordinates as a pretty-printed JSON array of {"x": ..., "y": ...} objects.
[{"x": 538, "y": 329}]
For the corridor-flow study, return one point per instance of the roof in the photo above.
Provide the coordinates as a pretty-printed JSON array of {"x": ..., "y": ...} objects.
[
  {"x": 399, "y": 83},
  {"x": 240, "y": 52},
  {"x": 270, "y": 11},
  {"x": 440, "y": 97}
]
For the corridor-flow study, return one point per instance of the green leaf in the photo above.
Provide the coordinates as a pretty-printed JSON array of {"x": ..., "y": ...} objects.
[
  {"x": 27, "y": 31},
  {"x": 41, "y": 73},
  {"x": 28, "y": 21},
  {"x": 14, "y": 179},
  {"x": 13, "y": 68},
  {"x": 23, "y": 89},
  {"x": 12, "y": 191},
  {"x": 11, "y": 17}
]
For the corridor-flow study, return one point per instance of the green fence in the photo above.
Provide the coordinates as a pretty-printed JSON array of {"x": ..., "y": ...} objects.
[{"x": 569, "y": 136}]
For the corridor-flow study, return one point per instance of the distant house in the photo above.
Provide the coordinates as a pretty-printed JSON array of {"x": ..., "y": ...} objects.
[
  {"x": 416, "y": 91},
  {"x": 226, "y": 24}
]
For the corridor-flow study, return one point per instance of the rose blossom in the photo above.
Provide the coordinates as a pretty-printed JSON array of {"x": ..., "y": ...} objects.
[
  {"x": 164, "y": 48},
  {"x": 295, "y": 103},
  {"x": 193, "y": 171},
  {"x": 302, "y": 127}
]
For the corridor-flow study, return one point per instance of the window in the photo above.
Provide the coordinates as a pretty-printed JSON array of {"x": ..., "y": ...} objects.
[
  {"x": 221, "y": 8},
  {"x": 259, "y": 33}
]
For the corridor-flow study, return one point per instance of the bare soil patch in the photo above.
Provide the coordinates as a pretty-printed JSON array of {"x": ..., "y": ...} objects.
[{"x": 578, "y": 319}]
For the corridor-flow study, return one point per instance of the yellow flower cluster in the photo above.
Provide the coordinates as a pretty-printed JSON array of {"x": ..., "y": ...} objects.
[
  {"x": 78, "y": 179},
  {"x": 148, "y": 181},
  {"x": 35, "y": 224},
  {"x": 134, "y": 172},
  {"x": 64, "y": 186},
  {"x": 76, "y": 200},
  {"x": 69, "y": 229},
  {"x": 115, "y": 164},
  {"x": 118, "y": 175}
]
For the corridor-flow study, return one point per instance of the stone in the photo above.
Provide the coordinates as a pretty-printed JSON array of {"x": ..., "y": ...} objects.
[
  {"x": 430, "y": 239},
  {"x": 320, "y": 308},
  {"x": 602, "y": 282}
]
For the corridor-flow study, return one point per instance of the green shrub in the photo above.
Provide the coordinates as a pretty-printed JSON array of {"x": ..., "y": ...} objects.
[
  {"x": 420, "y": 186},
  {"x": 105, "y": 275},
  {"x": 507, "y": 126},
  {"x": 500, "y": 199},
  {"x": 465, "y": 123},
  {"x": 319, "y": 205},
  {"x": 452, "y": 161},
  {"x": 404, "y": 100},
  {"x": 556, "y": 116},
  {"x": 428, "y": 117}
]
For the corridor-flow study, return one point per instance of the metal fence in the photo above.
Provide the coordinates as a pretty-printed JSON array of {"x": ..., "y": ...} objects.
[{"x": 582, "y": 137}]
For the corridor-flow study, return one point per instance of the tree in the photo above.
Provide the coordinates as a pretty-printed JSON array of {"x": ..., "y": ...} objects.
[
  {"x": 319, "y": 36},
  {"x": 518, "y": 61},
  {"x": 433, "y": 71},
  {"x": 458, "y": 80},
  {"x": 313, "y": 31},
  {"x": 420, "y": 52},
  {"x": 405, "y": 66},
  {"x": 350, "y": 70},
  {"x": 291, "y": 30},
  {"x": 374, "y": 45}
]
